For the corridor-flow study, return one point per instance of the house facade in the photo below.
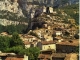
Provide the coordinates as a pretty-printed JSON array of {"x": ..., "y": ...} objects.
[{"x": 47, "y": 45}]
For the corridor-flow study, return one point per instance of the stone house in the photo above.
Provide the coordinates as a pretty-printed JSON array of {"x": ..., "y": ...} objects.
[
  {"x": 46, "y": 45},
  {"x": 49, "y": 55},
  {"x": 44, "y": 9},
  {"x": 58, "y": 33},
  {"x": 27, "y": 44},
  {"x": 30, "y": 44},
  {"x": 72, "y": 31},
  {"x": 12, "y": 56},
  {"x": 59, "y": 39},
  {"x": 68, "y": 46},
  {"x": 28, "y": 38},
  {"x": 71, "y": 56},
  {"x": 47, "y": 9},
  {"x": 51, "y": 9},
  {"x": 58, "y": 56},
  {"x": 45, "y": 55},
  {"x": 48, "y": 37}
]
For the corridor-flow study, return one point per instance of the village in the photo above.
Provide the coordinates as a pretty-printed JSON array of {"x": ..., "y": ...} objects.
[{"x": 55, "y": 38}]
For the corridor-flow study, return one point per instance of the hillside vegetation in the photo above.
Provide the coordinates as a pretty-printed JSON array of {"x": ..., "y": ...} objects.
[
  {"x": 72, "y": 11},
  {"x": 12, "y": 16}
]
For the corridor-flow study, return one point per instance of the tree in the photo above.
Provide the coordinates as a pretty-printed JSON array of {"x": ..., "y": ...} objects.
[
  {"x": 4, "y": 43},
  {"x": 16, "y": 45},
  {"x": 15, "y": 40},
  {"x": 33, "y": 53},
  {"x": 21, "y": 28},
  {"x": 10, "y": 29},
  {"x": 1, "y": 28},
  {"x": 17, "y": 49}
]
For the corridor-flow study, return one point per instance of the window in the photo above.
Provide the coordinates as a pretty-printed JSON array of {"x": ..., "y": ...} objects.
[{"x": 44, "y": 47}]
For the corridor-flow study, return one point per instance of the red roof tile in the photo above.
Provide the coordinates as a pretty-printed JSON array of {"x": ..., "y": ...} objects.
[
  {"x": 44, "y": 56},
  {"x": 74, "y": 43},
  {"x": 26, "y": 42},
  {"x": 47, "y": 42},
  {"x": 13, "y": 58}
]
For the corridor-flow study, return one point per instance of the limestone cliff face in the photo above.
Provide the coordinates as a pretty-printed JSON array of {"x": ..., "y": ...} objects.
[
  {"x": 21, "y": 8},
  {"x": 15, "y": 9},
  {"x": 11, "y": 6},
  {"x": 10, "y": 12}
]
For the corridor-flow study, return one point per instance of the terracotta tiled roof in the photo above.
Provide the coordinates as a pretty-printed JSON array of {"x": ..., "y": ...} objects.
[
  {"x": 58, "y": 37},
  {"x": 47, "y": 42},
  {"x": 71, "y": 55},
  {"x": 59, "y": 55},
  {"x": 13, "y": 58},
  {"x": 44, "y": 56},
  {"x": 45, "y": 59},
  {"x": 73, "y": 43},
  {"x": 26, "y": 42}
]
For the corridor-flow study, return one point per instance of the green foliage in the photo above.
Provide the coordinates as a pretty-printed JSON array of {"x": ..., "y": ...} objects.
[
  {"x": 12, "y": 28},
  {"x": 12, "y": 16},
  {"x": 15, "y": 45},
  {"x": 2, "y": 28},
  {"x": 76, "y": 17},
  {"x": 15, "y": 40},
  {"x": 17, "y": 49},
  {"x": 74, "y": 6},
  {"x": 21, "y": 28},
  {"x": 70, "y": 11},
  {"x": 33, "y": 53},
  {"x": 4, "y": 43}
]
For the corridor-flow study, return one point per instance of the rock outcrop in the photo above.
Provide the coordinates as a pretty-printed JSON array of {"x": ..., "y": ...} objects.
[{"x": 11, "y": 6}]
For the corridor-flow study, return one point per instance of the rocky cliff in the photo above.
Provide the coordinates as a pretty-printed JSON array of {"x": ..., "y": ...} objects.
[
  {"x": 10, "y": 11},
  {"x": 21, "y": 10},
  {"x": 11, "y": 6}
]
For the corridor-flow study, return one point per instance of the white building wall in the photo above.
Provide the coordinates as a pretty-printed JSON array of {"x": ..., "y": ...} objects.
[
  {"x": 27, "y": 46},
  {"x": 50, "y": 46},
  {"x": 25, "y": 57},
  {"x": 51, "y": 9},
  {"x": 58, "y": 33},
  {"x": 44, "y": 9}
]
